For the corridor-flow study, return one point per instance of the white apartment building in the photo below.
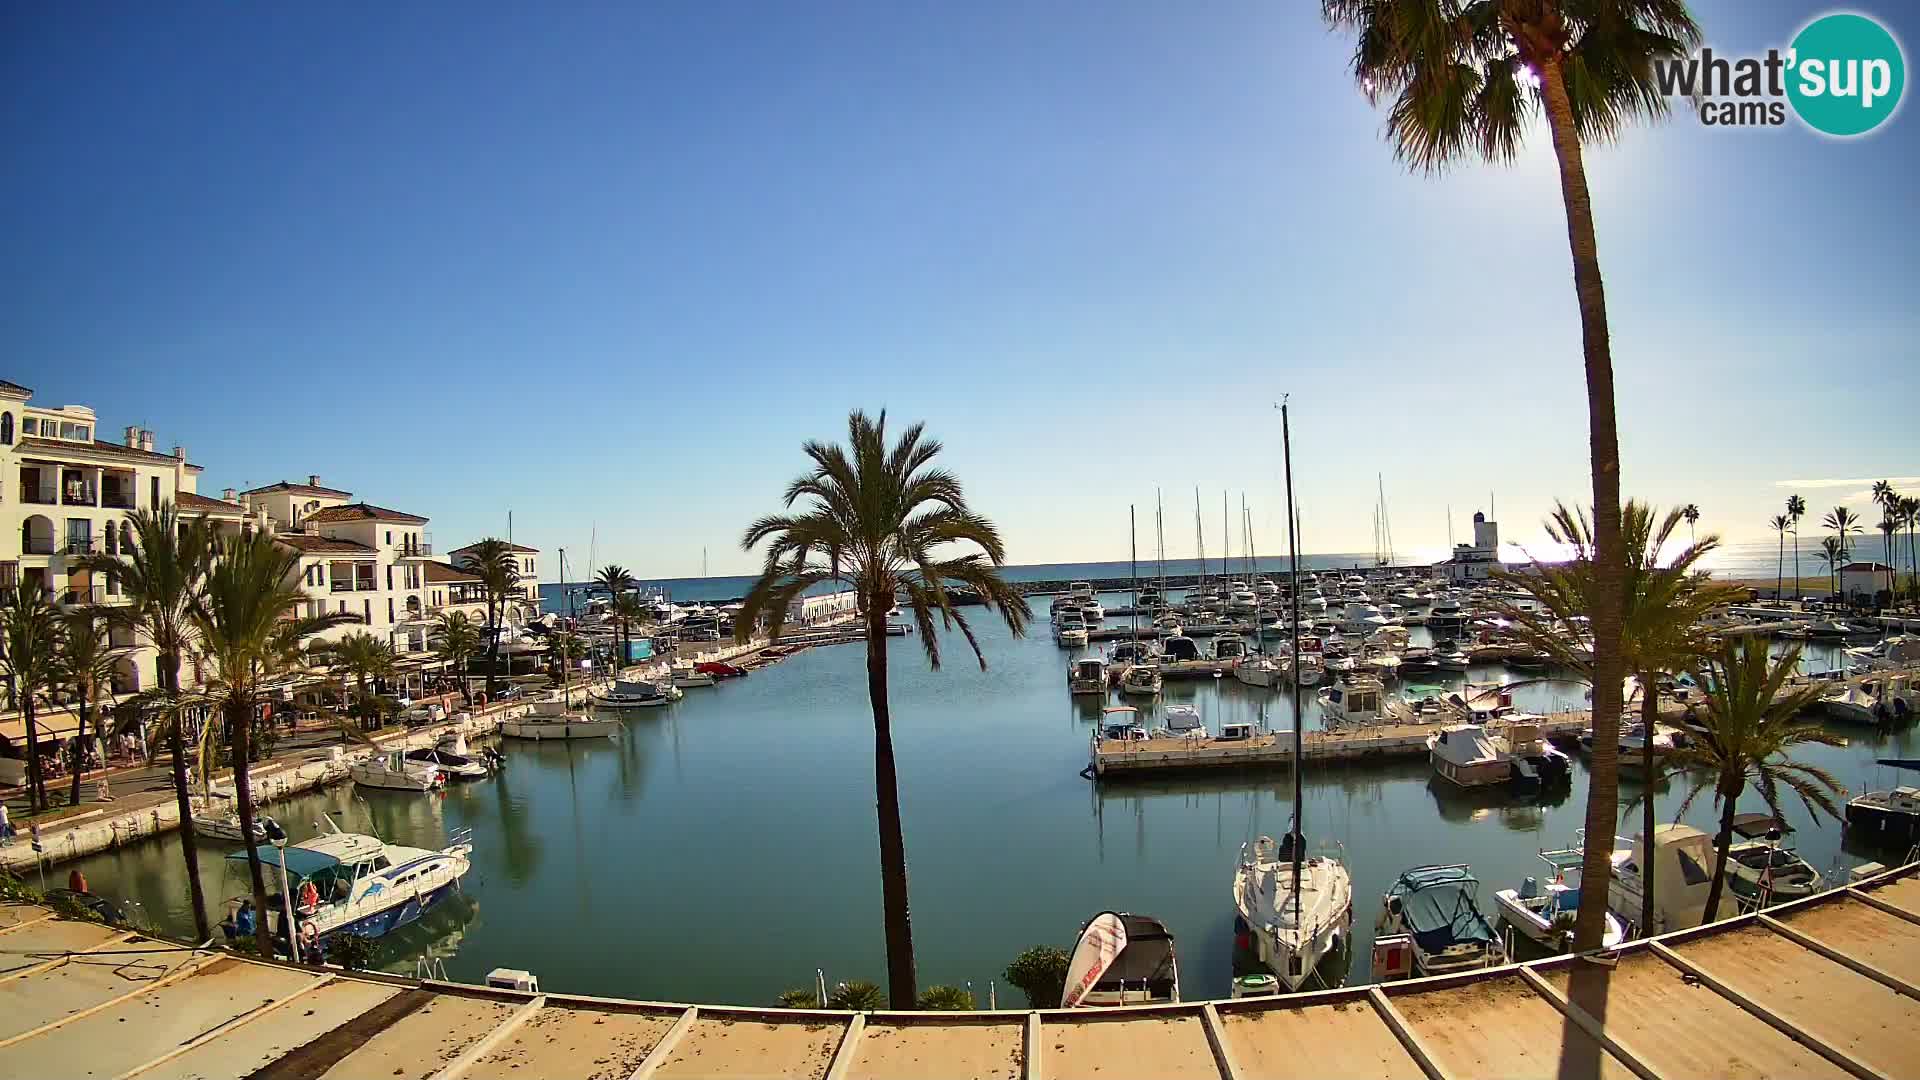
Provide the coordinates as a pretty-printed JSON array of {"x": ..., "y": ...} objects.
[
  {"x": 65, "y": 493},
  {"x": 355, "y": 558},
  {"x": 1476, "y": 561},
  {"x": 527, "y": 562}
]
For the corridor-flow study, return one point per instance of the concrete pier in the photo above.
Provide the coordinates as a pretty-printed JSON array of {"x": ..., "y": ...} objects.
[{"x": 1119, "y": 758}]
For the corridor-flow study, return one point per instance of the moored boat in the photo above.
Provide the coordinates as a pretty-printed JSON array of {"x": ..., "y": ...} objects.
[
  {"x": 637, "y": 694},
  {"x": 1543, "y": 911},
  {"x": 391, "y": 771},
  {"x": 1292, "y": 930},
  {"x": 556, "y": 720},
  {"x": 1438, "y": 907},
  {"x": 1088, "y": 675},
  {"x": 1122, "y": 959}
]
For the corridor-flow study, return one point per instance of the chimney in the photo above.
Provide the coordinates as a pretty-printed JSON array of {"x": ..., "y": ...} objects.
[
  {"x": 230, "y": 495},
  {"x": 313, "y": 479},
  {"x": 133, "y": 437},
  {"x": 146, "y": 440},
  {"x": 179, "y": 453}
]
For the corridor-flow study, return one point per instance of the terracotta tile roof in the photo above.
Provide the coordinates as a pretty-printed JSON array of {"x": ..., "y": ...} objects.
[
  {"x": 200, "y": 504},
  {"x": 360, "y": 511},
  {"x": 440, "y": 573},
  {"x": 299, "y": 489},
  {"x": 99, "y": 446},
  {"x": 14, "y": 387},
  {"x": 510, "y": 547},
  {"x": 316, "y": 545}
]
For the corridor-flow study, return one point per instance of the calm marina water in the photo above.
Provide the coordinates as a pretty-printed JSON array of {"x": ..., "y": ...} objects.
[{"x": 725, "y": 847}]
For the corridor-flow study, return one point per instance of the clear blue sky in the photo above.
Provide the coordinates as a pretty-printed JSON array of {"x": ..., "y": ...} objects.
[{"x": 610, "y": 264}]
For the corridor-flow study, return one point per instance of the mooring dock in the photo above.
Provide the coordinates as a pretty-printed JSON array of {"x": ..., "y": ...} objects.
[
  {"x": 1828, "y": 986},
  {"x": 1136, "y": 757}
]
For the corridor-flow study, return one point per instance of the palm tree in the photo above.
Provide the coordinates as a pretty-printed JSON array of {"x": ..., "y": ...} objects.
[
  {"x": 615, "y": 579},
  {"x": 363, "y": 657},
  {"x": 1889, "y": 527},
  {"x": 493, "y": 562},
  {"x": 459, "y": 640},
  {"x": 885, "y": 522},
  {"x": 1780, "y": 524},
  {"x": 86, "y": 667},
  {"x": 1467, "y": 83},
  {"x": 1844, "y": 523},
  {"x": 31, "y": 630},
  {"x": 628, "y": 610},
  {"x": 1796, "y": 509},
  {"x": 1834, "y": 554},
  {"x": 1910, "y": 516},
  {"x": 1751, "y": 730},
  {"x": 1662, "y": 630},
  {"x": 160, "y": 576},
  {"x": 1692, "y": 513},
  {"x": 250, "y": 632}
]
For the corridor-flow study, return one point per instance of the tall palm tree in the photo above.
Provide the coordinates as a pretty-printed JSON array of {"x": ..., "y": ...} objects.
[
  {"x": 250, "y": 630},
  {"x": 1692, "y": 513},
  {"x": 30, "y": 628},
  {"x": 627, "y": 611},
  {"x": 1796, "y": 509},
  {"x": 615, "y": 579},
  {"x": 1467, "y": 82},
  {"x": 1752, "y": 728},
  {"x": 1889, "y": 528},
  {"x": 1834, "y": 554},
  {"x": 1780, "y": 524},
  {"x": 160, "y": 576},
  {"x": 1843, "y": 523},
  {"x": 1910, "y": 516},
  {"x": 363, "y": 657},
  {"x": 1662, "y": 629},
  {"x": 86, "y": 667},
  {"x": 886, "y": 522},
  {"x": 492, "y": 561},
  {"x": 459, "y": 640}
]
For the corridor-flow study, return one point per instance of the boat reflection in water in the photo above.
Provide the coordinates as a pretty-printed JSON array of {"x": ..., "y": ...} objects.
[{"x": 435, "y": 937}]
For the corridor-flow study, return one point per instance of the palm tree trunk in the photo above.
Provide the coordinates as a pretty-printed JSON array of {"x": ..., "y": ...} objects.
[
  {"x": 1649, "y": 713},
  {"x": 36, "y": 783},
  {"x": 1796, "y": 564},
  {"x": 1721, "y": 843},
  {"x": 901, "y": 992},
  {"x": 1779, "y": 568},
  {"x": 240, "y": 717},
  {"x": 493, "y": 646},
  {"x": 189, "y": 851},
  {"x": 79, "y": 747},
  {"x": 1603, "y": 791}
]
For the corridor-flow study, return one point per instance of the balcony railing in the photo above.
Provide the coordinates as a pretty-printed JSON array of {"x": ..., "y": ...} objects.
[
  {"x": 37, "y": 545},
  {"x": 89, "y": 594},
  {"x": 80, "y": 545},
  {"x": 417, "y": 548},
  {"x": 80, "y": 498},
  {"x": 37, "y": 497},
  {"x": 117, "y": 500},
  {"x": 341, "y": 586}
]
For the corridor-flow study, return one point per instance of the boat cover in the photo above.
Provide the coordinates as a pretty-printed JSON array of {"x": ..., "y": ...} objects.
[
  {"x": 1437, "y": 904},
  {"x": 1183, "y": 718}
]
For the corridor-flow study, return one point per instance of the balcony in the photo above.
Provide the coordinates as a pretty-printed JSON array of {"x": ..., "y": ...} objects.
[
  {"x": 417, "y": 549},
  {"x": 79, "y": 545},
  {"x": 80, "y": 497},
  {"x": 341, "y": 586},
  {"x": 117, "y": 500},
  {"x": 85, "y": 594},
  {"x": 36, "y": 496},
  {"x": 37, "y": 545}
]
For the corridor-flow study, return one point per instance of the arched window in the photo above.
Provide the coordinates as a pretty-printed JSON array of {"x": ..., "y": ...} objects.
[
  {"x": 113, "y": 540},
  {"x": 6, "y": 429},
  {"x": 126, "y": 538}
]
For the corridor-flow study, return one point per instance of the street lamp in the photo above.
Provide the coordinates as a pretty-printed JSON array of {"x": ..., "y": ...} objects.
[{"x": 278, "y": 837}]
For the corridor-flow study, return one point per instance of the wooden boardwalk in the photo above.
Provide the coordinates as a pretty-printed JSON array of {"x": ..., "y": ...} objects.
[{"x": 1824, "y": 987}]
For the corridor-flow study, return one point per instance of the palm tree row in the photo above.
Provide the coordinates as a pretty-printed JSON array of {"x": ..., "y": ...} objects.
[
  {"x": 619, "y": 583},
  {"x": 1898, "y": 512}
]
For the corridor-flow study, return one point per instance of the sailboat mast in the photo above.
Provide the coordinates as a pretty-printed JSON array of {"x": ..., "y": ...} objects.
[
  {"x": 1299, "y": 839},
  {"x": 1199, "y": 537},
  {"x": 1133, "y": 578},
  {"x": 1226, "y": 537},
  {"x": 1160, "y": 534}
]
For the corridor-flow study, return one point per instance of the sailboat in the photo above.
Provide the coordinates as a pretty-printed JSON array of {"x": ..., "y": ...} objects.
[{"x": 1296, "y": 909}]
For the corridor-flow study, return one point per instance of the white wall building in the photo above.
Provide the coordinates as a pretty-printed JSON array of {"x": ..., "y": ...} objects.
[
  {"x": 355, "y": 558},
  {"x": 1476, "y": 561},
  {"x": 1862, "y": 581},
  {"x": 527, "y": 562}
]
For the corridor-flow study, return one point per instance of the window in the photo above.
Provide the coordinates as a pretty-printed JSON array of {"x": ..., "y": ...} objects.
[
  {"x": 6, "y": 429},
  {"x": 29, "y": 426},
  {"x": 126, "y": 538},
  {"x": 343, "y": 606},
  {"x": 389, "y": 536},
  {"x": 389, "y": 577},
  {"x": 366, "y": 611},
  {"x": 153, "y": 489},
  {"x": 389, "y": 609}
]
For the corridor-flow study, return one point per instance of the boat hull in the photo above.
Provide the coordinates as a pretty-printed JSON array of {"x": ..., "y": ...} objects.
[
  {"x": 1475, "y": 775},
  {"x": 1883, "y": 824},
  {"x": 386, "y": 921},
  {"x": 546, "y": 730}
]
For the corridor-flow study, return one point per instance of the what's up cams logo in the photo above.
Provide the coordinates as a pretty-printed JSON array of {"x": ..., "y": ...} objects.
[{"x": 1842, "y": 76}]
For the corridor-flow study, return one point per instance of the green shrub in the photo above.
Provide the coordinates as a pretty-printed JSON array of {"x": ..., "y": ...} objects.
[
  {"x": 947, "y": 999},
  {"x": 858, "y": 996},
  {"x": 1041, "y": 974},
  {"x": 799, "y": 998},
  {"x": 350, "y": 951}
]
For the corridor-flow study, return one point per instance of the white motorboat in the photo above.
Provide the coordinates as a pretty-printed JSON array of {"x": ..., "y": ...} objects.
[
  {"x": 1257, "y": 671},
  {"x": 683, "y": 674},
  {"x": 1683, "y": 872},
  {"x": 1543, "y": 911},
  {"x": 1760, "y": 871},
  {"x": 1070, "y": 632},
  {"x": 637, "y": 694},
  {"x": 1358, "y": 700},
  {"x": 1182, "y": 722},
  {"x": 1849, "y": 703},
  {"x": 1468, "y": 756},
  {"x": 556, "y": 720},
  {"x": 1895, "y": 653},
  {"x": 1088, "y": 675},
  {"x": 1080, "y": 589},
  {"x": 1242, "y": 600},
  {"x": 1169, "y": 626},
  {"x": 1091, "y": 612},
  {"x": 1143, "y": 680},
  {"x": 1438, "y": 907},
  {"x": 1893, "y": 698},
  {"x": 455, "y": 766},
  {"x": 1121, "y": 959},
  {"x": 1362, "y": 619},
  {"x": 1229, "y": 646},
  {"x": 1292, "y": 931},
  {"x": 216, "y": 815},
  {"x": 391, "y": 771},
  {"x": 1265, "y": 589},
  {"x": 360, "y": 884},
  {"x": 1886, "y": 817}
]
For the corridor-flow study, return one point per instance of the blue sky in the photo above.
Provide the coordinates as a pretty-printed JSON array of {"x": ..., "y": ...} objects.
[{"x": 607, "y": 266}]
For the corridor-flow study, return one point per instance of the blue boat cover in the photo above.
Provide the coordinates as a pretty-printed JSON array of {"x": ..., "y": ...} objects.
[
  {"x": 301, "y": 862},
  {"x": 1437, "y": 904}
]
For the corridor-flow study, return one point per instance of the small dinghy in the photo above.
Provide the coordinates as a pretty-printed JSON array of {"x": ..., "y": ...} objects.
[{"x": 1122, "y": 959}]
